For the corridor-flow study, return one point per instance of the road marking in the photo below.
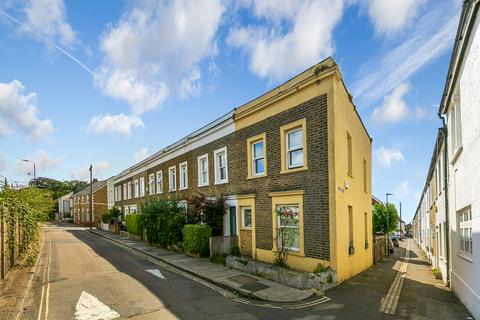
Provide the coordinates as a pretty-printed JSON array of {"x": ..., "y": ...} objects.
[
  {"x": 90, "y": 308},
  {"x": 390, "y": 301},
  {"x": 156, "y": 273},
  {"x": 47, "y": 295},
  {"x": 43, "y": 290}
]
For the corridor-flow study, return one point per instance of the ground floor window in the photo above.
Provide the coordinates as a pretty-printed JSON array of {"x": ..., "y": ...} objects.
[
  {"x": 465, "y": 231},
  {"x": 246, "y": 217},
  {"x": 288, "y": 226}
]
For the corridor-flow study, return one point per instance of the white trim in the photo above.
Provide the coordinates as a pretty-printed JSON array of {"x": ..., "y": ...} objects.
[
  {"x": 181, "y": 185},
  {"x": 151, "y": 184},
  {"x": 254, "y": 173},
  {"x": 136, "y": 185},
  {"x": 199, "y": 172},
  {"x": 159, "y": 190},
  {"x": 216, "y": 168},
  {"x": 243, "y": 208},
  {"x": 141, "y": 187},
  {"x": 172, "y": 187}
]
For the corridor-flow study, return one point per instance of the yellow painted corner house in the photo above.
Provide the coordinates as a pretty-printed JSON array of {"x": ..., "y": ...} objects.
[{"x": 301, "y": 147}]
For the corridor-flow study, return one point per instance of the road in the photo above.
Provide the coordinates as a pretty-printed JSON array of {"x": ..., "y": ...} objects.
[{"x": 111, "y": 280}]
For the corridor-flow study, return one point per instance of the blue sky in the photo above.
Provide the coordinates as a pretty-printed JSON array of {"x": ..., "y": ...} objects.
[{"x": 110, "y": 82}]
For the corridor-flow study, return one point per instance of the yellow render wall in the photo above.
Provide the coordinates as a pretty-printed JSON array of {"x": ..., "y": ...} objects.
[{"x": 345, "y": 119}]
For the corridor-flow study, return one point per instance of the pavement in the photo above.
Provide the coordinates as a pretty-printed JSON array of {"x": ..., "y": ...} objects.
[
  {"x": 81, "y": 275},
  {"x": 245, "y": 284}
]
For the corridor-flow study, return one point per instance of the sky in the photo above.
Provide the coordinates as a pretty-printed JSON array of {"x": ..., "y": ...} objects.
[{"x": 110, "y": 82}]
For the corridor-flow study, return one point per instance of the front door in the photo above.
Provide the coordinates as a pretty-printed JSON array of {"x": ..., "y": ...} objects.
[{"x": 230, "y": 218}]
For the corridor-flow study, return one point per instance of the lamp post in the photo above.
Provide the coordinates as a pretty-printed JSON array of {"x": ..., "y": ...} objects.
[
  {"x": 388, "y": 224},
  {"x": 34, "y": 170}
]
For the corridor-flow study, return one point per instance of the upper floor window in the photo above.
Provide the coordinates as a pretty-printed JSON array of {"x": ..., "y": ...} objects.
[
  {"x": 136, "y": 188},
  {"x": 349, "y": 155},
  {"x": 172, "y": 178},
  {"x": 294, "y": 146},
  {"x": 142, "y": 187},
  {"x": 125, "y": 191},
  {"x": 129, "y": 190},
  {"x": 465, "y": 231},
  {"x": 221, "y": 165},
  {"x": 183, "y": 175},
  {"x": 455, "y": 120},
  {"x": 256, "y": 156},
  {"x": 203, "y": 170},
  {"x": 151, "y": 184},
  {"x": 159, "y": 182}
]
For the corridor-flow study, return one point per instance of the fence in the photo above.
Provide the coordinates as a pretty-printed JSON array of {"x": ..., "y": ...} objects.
[
  {"x": 10, "y": 241},
  {"x": 379, "y": 248}
]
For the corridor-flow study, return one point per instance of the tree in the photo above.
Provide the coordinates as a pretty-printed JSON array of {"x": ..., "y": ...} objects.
[
  {"x": 207, "y": 210},
  {"x": 380, "y": 212}
]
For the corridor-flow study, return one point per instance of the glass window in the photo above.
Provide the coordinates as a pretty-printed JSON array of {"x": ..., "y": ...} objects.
[
  {"x": 246, "y": 217},
  {"x": 203, "y": 170},
  {"x": 221, "y": 166},
  {"x": 159, "y": 182},
  {"x": 288, "y": 220},
  {"x": 142, "y": 187},
  {"x": 129, "y": 190},
  {"x": 465, "y": 230},
  {"x": 151, "y": 184},
  {"x": 172, "y": 177},
  {"x": 258, "y": 158},
  {"x": 183, "y": 176},
  {"x": 295, "y": 148},
  {"x": 136, "y": 189}
]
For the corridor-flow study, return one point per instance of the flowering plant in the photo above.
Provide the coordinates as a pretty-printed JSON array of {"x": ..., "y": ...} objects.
[{"x": 286, "y": 232}]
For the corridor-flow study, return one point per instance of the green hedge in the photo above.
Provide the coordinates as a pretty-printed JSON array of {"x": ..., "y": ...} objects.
[
  {"x": 196, "y": 239},
  {"x": 134, "y": 224}
]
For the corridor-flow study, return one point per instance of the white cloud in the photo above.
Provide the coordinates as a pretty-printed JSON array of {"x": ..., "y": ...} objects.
[
  {"x": 155, "y": 48},
  {"x": 18, "y": 112},
  {"x": 288, "y": 37},
  {"x": 390, "y": 16},
  {"x": 49, "y": 19},
  {"x": 44, "y": 163},
  {"x": 190, "y": 85},
  {"x": 394, "y": 108},
  {"x": 116, "y": 124},
  {"x": 401, "y": 190},
  {"x": 98, "y": 171},
  {"x": 141, "y": 154},
  {"x": 387, "y": 157},
  {"x": 434, "y": 34},
  {"x": 420, "y": 113}
]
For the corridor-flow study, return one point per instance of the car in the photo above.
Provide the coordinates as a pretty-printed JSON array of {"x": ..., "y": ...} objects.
[
  {"x": 394, "y": 240},
  {"x": 408, "y": 234}
]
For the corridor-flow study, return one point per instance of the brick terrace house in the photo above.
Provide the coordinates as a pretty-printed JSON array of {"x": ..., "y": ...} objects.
[
  {"x": 301, "y": 145},
  {"x": 81, "y": 203}
]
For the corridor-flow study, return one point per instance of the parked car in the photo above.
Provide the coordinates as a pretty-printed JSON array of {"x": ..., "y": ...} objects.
[
  {"x": 408, "y": 234},
  {"x": 394, "y": 240}
]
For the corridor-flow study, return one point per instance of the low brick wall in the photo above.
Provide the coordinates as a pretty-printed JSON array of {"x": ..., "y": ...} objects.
[
  {"x": 292, "y": 278},
  {"x": 379, "y": 248},
  {"x": 221, "y": 245}
]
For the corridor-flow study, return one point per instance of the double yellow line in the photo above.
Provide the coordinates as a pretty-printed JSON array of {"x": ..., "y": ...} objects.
[{"x": 45, "y": 289}]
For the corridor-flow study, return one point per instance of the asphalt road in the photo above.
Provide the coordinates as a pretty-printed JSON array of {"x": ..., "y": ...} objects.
[{"x": 112, "y": 280}]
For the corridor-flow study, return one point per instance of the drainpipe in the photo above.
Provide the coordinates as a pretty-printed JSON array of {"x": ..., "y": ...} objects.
[{"x": 445, "y": 183}]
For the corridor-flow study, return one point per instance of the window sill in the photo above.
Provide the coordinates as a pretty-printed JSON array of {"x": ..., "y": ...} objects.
[
  {"x": 465, "y": 257},
  {"x": 246, "y": 228},
  {"x": 294, "y": 170},
  {"x": 181, "y": 189},
  {"x": 203, "y": 185},
  {"x": 221, "y": 182},
  {"x": 296, "y": 253},
  {"x": 456, "y": 155},
  {"x": 256, "y": 177}
]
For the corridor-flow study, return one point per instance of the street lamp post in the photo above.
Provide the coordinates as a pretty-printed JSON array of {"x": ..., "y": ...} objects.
[
  {"x": 388, "y": 224},
  {"x": 34, "y": 170}
]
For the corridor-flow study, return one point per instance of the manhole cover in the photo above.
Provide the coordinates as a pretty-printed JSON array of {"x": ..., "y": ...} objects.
[
  {"x": 242, "y": 279},
  {"x": 255, "y": 286}
]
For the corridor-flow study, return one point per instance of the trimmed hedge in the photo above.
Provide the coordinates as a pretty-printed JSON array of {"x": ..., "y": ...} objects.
[
  {"x": 134, "y": 224},
  {"x": 196, "y": 239}
]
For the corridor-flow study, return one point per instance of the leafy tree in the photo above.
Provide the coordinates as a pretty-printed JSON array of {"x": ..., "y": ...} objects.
[
  {"x": 207, "y": 210},
  {"x": 380, "y": 212},
  {"x": 111, "y": 214}
]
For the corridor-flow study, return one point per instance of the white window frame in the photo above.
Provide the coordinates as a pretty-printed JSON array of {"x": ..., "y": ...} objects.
[
  {"x": 183, "y": 182},
  {"x": 254, "y": 173},
  {"x": 465, "y": 227},
  {"x": 172, "y": 183},
  {"x": 200, "y": 172},
  {"x": 142, "y": 187},
  {"x": 293, "y": 249},
  {"x": 124, "y": 191},
  {"x": 216, "y": 154},
  {"x": 151, "y": 184},
  {"x": 159, "y": 182},
  {"x": 243, "y": 217},
  {"x": 135, "y": 186},
  {"x": 289, "y": 149},
  {"x": 129, "y": 190}
]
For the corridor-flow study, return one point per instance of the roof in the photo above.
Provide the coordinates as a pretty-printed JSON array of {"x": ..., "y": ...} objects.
[
  {"x": 375, "y": 200},
  {"x": 95, "y": 186},
  {"x": 465, "y": 25}
]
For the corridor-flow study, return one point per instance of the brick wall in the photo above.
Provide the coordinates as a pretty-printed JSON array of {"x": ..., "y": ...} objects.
[{"x": 313, "y": 181}]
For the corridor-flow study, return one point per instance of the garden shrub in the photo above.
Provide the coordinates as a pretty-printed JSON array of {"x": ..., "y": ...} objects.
[
  {"x": 210, "y": 211},
  {"x": 134, "y": 224},
  {"x": 163, "y": 221},
  {"x": 219, "y": 259},
  {"x": 111, "y": 214},
  {"x": 196, "y": 239},
  {"x": 319, "y": 268},
  {"x": 236, "y": 251}
]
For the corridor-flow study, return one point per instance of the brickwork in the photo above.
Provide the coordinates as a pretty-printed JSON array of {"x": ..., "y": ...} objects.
[{"x": 313, "y": 181}]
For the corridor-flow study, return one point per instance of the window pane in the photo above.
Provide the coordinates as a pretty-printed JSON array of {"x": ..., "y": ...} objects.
[
  {"x": 259, "y": 166},
  {"x": 223, "y": 173},
  {"x": 247, "y": 218},
  {"x": 258, "y": 150},
  {"x": 295, "y": 158},
  {"x": 295, "y": 139}
]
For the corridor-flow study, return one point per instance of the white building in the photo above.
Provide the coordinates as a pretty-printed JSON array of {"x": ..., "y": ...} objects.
[
  {"x": 64, "y": 206},
  {"x": 460, "y": 107},
  {"x": 110, "y": 193}
]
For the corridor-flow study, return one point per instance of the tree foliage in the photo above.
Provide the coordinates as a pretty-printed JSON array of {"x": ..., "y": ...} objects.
[
  {"x": 196, "y": 239},
  {"x": 111, "y": 214},
  {"x": 205, "y": 210},
  {"x": 163, "y": 221},
  {"x": 380, "y": 212},
  {"x": 23, "y": 210}
]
